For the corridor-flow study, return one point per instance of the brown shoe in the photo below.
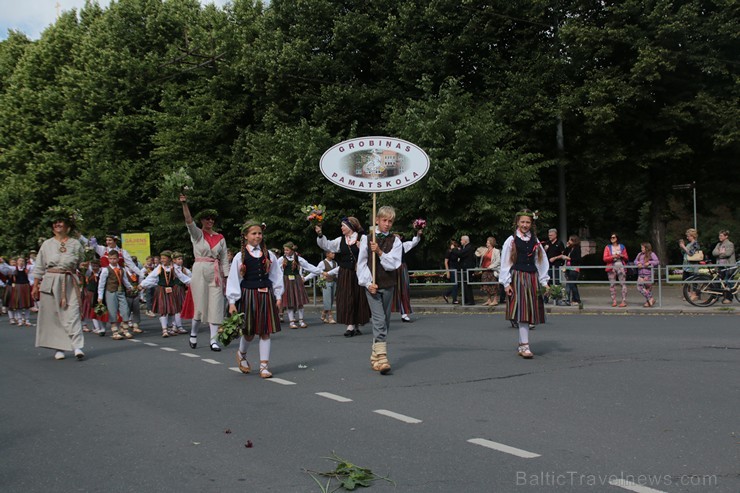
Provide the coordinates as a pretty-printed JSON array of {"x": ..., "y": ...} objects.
[{"x": 242, "y": 363}]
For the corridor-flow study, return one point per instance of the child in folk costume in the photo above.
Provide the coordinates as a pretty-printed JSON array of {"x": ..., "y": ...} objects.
[
  {"x": 294, "y": 294},
  {"x": 90, "y": 277},
  {"x": 133, "y": 301},
  {"x": 111, "y": 244},
  {"x": 180, "y": 290},
  {"x": 352, "y": 307},
  {"x": 329, "y": 289},
  {"x": 645, "y": 262},
  {"x": 524, "y": 267},
  {"x": 402, "y": 298},
  {"x": 18, "y": 292},
  {"x": 210, "y": 269},
  {"x": 165, "y": 304},
  {"x": 379, "y": 291},
  {"x": 112, "y": 288},
  {"x": 255, "y": 288}
]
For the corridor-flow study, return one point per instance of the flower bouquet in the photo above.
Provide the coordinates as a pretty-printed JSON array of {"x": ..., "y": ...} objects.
[
  {"x": 321, "y": 283},
  {"x": 419, "y": 224},
  {"x": 231, "y": 328},
  {"x": 100, "y": 309},
  {"x": 176, "y": 183},
  {"x": 314, "y": 214}
]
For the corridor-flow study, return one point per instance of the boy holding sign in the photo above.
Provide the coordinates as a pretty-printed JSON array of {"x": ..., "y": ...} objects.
[{"x": 384, "y": 251}]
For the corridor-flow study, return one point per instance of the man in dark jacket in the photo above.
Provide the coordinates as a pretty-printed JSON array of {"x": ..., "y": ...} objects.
[{"x": 467, "y": 261}]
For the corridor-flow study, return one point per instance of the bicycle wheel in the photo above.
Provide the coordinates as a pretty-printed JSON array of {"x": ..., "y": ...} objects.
[{"x": 704, "y": 296}]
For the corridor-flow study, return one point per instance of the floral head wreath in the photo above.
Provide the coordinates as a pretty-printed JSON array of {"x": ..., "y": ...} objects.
[
  {"x": 70, "y": 217},
  {"x": 247, "y": 225},
  {"x": 207, "y": 213}
]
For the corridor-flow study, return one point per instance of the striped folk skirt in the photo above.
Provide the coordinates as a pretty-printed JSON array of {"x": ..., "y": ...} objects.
[
  {"x": 402, "y": 295},
  {"x": 525, "y": 305},
  {"x": 352, "y": 307},
  {"x": 295, "y": 295},
  {"x": 261, "y": 315},
  {"x": 18, "y": 296},
  {"x": 166, "y": 303}
]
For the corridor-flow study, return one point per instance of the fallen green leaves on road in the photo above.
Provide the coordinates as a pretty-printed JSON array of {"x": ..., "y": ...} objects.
[{"x": 349, "y": 475}]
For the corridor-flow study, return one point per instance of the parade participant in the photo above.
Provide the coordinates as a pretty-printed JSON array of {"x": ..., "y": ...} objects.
[
  {"x": 615, "y": 257},
  {"x": 524, "y": 267},
  {"x": 255, "y": 288},
  {"x": 55, "y": 286},
  {"x": 18, "y": 293},
  {"x": 165, "y": 304},
  {"x": 645, "y": 262},
  {"x": 209, "y": 271},
  {"x": 91, "y": 277},
  {"x": 180, "y": 290},
  {"x": 380, "y": 286},
  {"x": 402, "y": 292},
  {"x": 112, "y": 288},
  {"x": 111, "y": 244},
  {"x": 294, "y": 293},
  {"x": 133, "y": 301},
  {"x": 330, "y": 287},
  {"x": 352, "y": 307}
]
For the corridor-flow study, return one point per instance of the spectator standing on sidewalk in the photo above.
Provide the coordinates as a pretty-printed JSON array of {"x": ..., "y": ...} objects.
[{"x": 724, "y": 253}]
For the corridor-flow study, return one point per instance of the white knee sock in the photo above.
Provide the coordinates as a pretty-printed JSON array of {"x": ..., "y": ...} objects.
[
  {"x": 11, "y": 314},
  {"x": 214, "y": 332},
  {"x": 300, "y": 314},
  {"x": 264, "y": 349},
  {"x": 194, "y": 328},
  {"x": 523, "y": 332},
  {"x": 98, "y": 326},
  {"x": 243, "y": 345},
  {"x": 291, "y": 314},
  {"x": 178, "y": 320},
  {"x": 164, "y": 320},
  {"x": 25, "y": 314}
]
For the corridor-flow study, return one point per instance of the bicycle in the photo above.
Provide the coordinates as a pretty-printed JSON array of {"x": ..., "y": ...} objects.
[{"x": 709, "y": 288}]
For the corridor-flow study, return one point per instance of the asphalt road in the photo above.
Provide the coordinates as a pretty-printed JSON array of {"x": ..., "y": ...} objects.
[{"x": 609, "y": 403}]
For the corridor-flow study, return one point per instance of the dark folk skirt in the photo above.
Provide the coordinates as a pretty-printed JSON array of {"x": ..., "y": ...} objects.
[
  {"x": 261, "y": 315},
  {"x": 352, "y": 307},
  {"x": 525, "y": 305},
  {"x": 402, "y": 295}
]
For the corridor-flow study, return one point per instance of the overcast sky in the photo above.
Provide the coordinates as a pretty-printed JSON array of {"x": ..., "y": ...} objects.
[{"x": 33, "y": 16}]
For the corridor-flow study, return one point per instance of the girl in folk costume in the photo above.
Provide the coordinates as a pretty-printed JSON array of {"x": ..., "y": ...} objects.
[
  {"x": 165, "y": 304},
  {"x": 615, "y": 258},
  {"x": 294, "y": 294},
  {"x": 180, "y": 291},
  {"x": 524, "y": 267},
  {"x": 646, "y": 261},
  {"x": 55, "y": 286},
  {"x": 352, "y": 307},
  {"x": 18, "y": 293},
  {"x": 209, "y": 271},
  {"x": 255, "y": 288},
  {"x": 112, "y": 287},
  {"x": 90, "y": 278},
  {"x": 402, "y": 297}
]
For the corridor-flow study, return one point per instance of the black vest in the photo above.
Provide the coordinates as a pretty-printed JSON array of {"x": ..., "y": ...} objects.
[
  {"x": 526, "y": 252},
  {"x": 256, "y": 275},
  {"x": 383, "y": 278},
  {"x": 347, "y": 256}
]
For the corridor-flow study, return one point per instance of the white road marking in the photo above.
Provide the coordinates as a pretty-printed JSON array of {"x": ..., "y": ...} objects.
[
  {"x": 235, "y": 368},
  {"x": 190, "y": 355},
  {"x": 212, "y": 361},
  {"x": 170, "y": 349},
  {"x": 280, "y": 381},
  {"x": 134, "y": 340},
  {"x": 400, "y": 417},
  {"x": 629, "y": 485},
  {"x": 333, "y": 397},
  {"x": 503, "y": 448},
  {"x": 151, "y": 344}
]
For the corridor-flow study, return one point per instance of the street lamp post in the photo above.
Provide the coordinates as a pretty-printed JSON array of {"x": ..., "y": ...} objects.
[{"x": 689, "y": 186}]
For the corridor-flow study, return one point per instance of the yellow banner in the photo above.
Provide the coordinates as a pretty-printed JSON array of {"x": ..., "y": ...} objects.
[{"x": 137, "y": 245}]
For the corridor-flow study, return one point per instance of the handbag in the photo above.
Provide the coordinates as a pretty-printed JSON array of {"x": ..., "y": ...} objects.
[{"x": 696, "y": 257}]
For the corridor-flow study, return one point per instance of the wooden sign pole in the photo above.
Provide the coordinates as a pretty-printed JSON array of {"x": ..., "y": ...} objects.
[{"x": 372, "y": 222}]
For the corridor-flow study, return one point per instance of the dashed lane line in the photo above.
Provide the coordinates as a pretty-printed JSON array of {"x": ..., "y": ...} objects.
[
  {"x": 190, "y": 355},
  {"x": 280, "y": 381},
  {"x": 333, "y": 397},
  {"x": 170, "y": 349},
  {"x": 503, "y": 448},
  {"x": 399, "y": 417},
  {"x": 629, "y": 485},
  {"x": 211, "y": 361}
]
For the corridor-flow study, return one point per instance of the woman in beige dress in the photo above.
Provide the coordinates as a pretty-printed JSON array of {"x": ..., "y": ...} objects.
[
  {"x": 211, "y": 265},
  {"x": 55, "y": 287}
]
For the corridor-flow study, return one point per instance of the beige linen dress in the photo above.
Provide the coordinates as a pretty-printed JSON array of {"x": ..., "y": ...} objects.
[
  {"x": 59, "y": 327},
  {"x": 208, "y": 296}
]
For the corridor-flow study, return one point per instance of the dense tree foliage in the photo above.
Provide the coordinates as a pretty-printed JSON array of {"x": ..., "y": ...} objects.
[{"x": 248, "y": 97}]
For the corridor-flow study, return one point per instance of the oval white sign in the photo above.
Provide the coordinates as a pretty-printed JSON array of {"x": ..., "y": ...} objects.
[{"x": 374, "y": 164}]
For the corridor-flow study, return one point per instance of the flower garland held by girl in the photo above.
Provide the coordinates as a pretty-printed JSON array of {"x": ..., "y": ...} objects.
[
  {"x": 255, "y": 287},
  {"x": 524, "y": 267}
]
